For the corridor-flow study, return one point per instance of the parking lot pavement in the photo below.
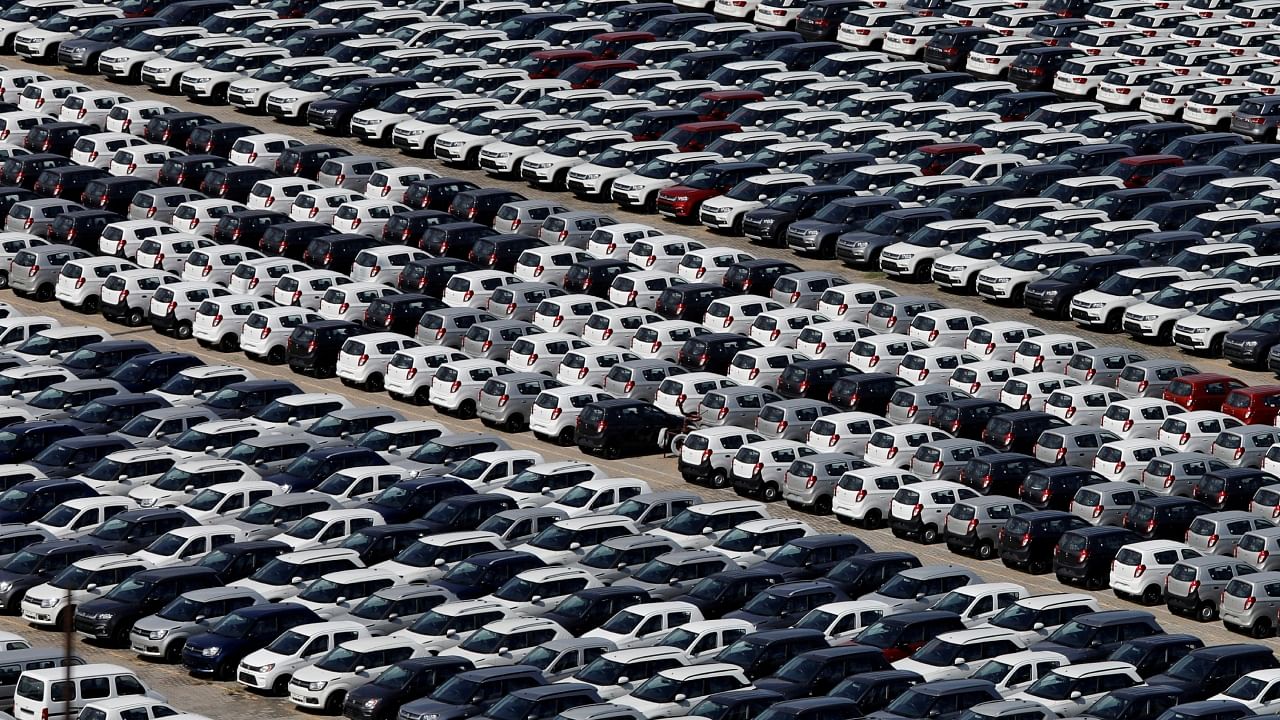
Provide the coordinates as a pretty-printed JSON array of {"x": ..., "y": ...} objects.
[
  {"x": 229, "y": 701},
  {"x": 309, "y": 134}
]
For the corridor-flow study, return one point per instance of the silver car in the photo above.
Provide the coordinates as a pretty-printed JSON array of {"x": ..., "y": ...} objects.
[
  {"x": 791, "y": 419},
  {"x": 492, "y": 340},
  {"x": 810, "y": 483},
  {"x": 973, "y": 525},
  {"x": 617, "y": 558},
  {"x": 560, "y": 659},
  {"x": 1218, "y": 533},
  {"x": 1107, "y": 503},
  {"x": 517, "y": 526},
  {"x": 447, "y": 326},
  {"x": 640, "y": 379},
  {"x": 1250, "y": 602},
  {"x": 944, "y": 459},
  {"x": 1245, "y": 445},
  {"x": 919, "y": 588},
  {"x": 1177, "y": 474},
  {"x": 917, "y": 404},
  {"x": 573, "y": 228},
  {"x": 732, "y": 406},
  {"x": 519, "y": 301},
  {"x": 507, "y": 400},
  {"x": 351, "y": 171},
  {"x": 804, "y": 289},
  {"x": 396, "y": 607},
  {"x": 35, "y": 216},
  {"x": 160, "y": 203},
  {"x": 1075, "y": 445},
  {"x": 155, "y": 428},
  {"x": 34, "y": 271},
  {"x": 1195, "y": 585},
  {"x": 1102, "y": 365},
  {"x": 271, "y": 453},
  {"x": 525, "y": 217},
  {"x": 652, "y": 509},
  {"x": 162, "y": 635},
  {"x": 676, "y": 572},
  {"x": 1149, "y": 378},
  {"x": 894, "y": 315}
]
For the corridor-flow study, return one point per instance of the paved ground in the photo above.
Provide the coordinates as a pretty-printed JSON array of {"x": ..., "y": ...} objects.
[{"x": 228, "y": 702}]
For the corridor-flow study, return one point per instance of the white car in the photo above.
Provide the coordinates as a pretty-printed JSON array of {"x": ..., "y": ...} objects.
[
  {"x": 1140, "y": 568},
  {"x": 271, "y": 668},
  {"x": 1205, "y": 330},
  {"x": 316, "y": 686},
  {"x": 463, "y": 146},
  {"x": 91, "y": 108},
  {"x": 165, "y": 73},
  {"x": 261, "y": 150},
  {"x": 292, "y": 102},
  {"x": 266, "y": 331},
  {"x": 132, "y": 117},
  {"x": 86, "y": 579},
  {"x": 410, "y": 372},
  {"x": 213, "y": 80},
  {"x": 661, "y": 695}
]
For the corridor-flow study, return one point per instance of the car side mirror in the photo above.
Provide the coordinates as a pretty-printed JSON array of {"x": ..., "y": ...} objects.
[
  {"x": 1254, "y": 279},
  {"x": 393, "y": 616},
  {"x": 893, "y": 153},
  {"x": 960, "y": 662},
  {"x": 1137, "y": 291},
  {"x": 575, "y": 546},
  {"x": 996, "y": 256},
  {"x": 1042, "y": 267},
  {"x": 1240, "y": 316},
  {"x": 91, "y": 587},
  {"x": 1206, "y": 268},
  {"x": 1038, "y": 626},
  {"x": 438, "y": 562},
  {"x": 293, "y": 420},
  {"x": 707, "y": 530},
  {"x": 342, "y": 600},
  {"x": 1188, "y": 304},
  {"x": 673, "y": 176},
  {"x": 495, "y": 131},
  {"x": 296, "y": 580},
  {"x": 16, "y": 393},
  {"x": 623, "y": 680},
  {"x": 450, "y": 633},
  {"x": 535, "y": 599},
  {"x": 208, "y": 449},
  {"x": 391, "y": 448},
  {"x": 1075, "y": 198},
  {"x": 1075, "y": 695},
  {"x": 920, "y": 596},
  {"x": 680, "y": 697},
  {"x": 360, "y": 669},
  {"x": 757, "y": 548},
  {"x": 66, "y": 406}
]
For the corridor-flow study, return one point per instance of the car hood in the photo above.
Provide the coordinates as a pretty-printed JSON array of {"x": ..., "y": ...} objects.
[
  {"x": 1073, "y": 655},
  {"x": 443, "y": 711},
  {"x": 785, "y": 688},
  {"x": 1258, "y": 336},
  {"x": 802, "y": 226},
  {"x": 104, "y": 605},
  {"x": 853, "y": 237},
  {"x": 1047, "y": 285},
  {"x": 90, "y": 45},
  {"x": 332, "y": 104},
  {"x": 1171, "y": 681}
]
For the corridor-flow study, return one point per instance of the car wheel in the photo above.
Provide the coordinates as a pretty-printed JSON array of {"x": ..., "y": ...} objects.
[
  {"x": 1151, "y": 595},
  {"x": 516, "y": 423},
  {"x": 1215, "y": 347},
  {"x": 281, "y": 685},
  {"x": 770, "y": 493},
  {"x": 872, "y": 520},
  {"x": 422, "y": 396},
  {"x": 333, "y": 703},
  {"x": 1113, "y": 321},
  {"x": 467, "y": 410},
  {"x": 183, "y": 331},
  {"x": 135, "y": 317},
  {"x": 229, "y": 343},
  {"x": 1165, "y": 336},
  {"x": 719, "y": 479},
  {"x": 173, "y": 653},
  {"x": 929, "y": 535},
  {"x": 1206, "y": 612},
  {"x": 275, "y": 356},
  {"x": 986, "y": 550},
  {"x": 565, "y": 438},
  {"x": 4, "y": 280},
  {"x": 91, "y": 305},
  {"x": 1262, "y": 628},
  {"x": 374, "y": 383},
  {"x": 822, "y": 506},
  {"x": 44, "y": 293}
]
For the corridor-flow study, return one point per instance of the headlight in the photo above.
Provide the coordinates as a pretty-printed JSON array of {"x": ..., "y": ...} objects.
[
  {"x": 200, "y": 80},
  {"x": 159, "y": 634},
  {"x": 317, "y": 685},
  {"x": 681, "y": 198},
  {"x": 371, "y": 703},
  {"x": 1249, "y": 344},
  {"x": 147, "y": 502},
  {"x": 430, "y": 716},
  {"x": 6, "y": 586},
  {"x": 106, "y": 616},
  {"x": 412, "y": 132},
  {"x": 500, "y": 155},
  {"x": 861, "y": 244},
  {"x": 1091, "y": 306},
  {"x": 589, "y": 176},
  {"x": 1049, "y": 293},
  {"x": 1198, "y": 331},
  {"x": 51, "y": 602},
  {"x": 267, "y": 668},
  {"x": 1146, "y": 318},
  {"x": 211, "y": 651}
]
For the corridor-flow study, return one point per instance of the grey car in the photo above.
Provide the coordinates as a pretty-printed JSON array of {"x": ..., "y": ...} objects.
[
  {"x": 791, "y": 419},
  {"x": 652, "y": 509},
  {"x": 507, "y": 400},
  {"x": 1257, "y": 117},
  {"x": 1010, "y": 710},
  {"x": 1102, "y": 365},
  {"x": 1245, "y": 445},
  {"x": 1218, "y": 533},
  {"x": 1250, "y": 602},
  {"x": 810, "y": 482},
  {"x": 517, "y": 526},
  {"x": 351, "y": 171},
  {"x": 345, "y": 425},
  {"x": 60, "y": 400},
  {"x": 519, "y": 301},
  {"x": 917, "y": 404},
  {"x": 16, "y": 536},
  {"x": 560, "y": 659},
  {"x": 492, "y": 340},
  {"x": 676, "y": 572},
  {"x": 617, "y": 558},
  {"x": 804, "y": 289},
  {"x": 34, "y": 271},
  {"x": 944, "y": 459},
  {"x": 1150, "y": 378},
  {"x": 1075, "y": 445},
  {"x": 396, "y": 607},
  {"x": 573, "y": 228},
  {"x": 734, "y": 406},
  {"x": 1195, "y": 585},
  {"x": 35, "y": 216},
  {"x": 447, "y": 326},
  {"x": 280, "y": 512},
  {"x": 973, "y": 525},
  {"x": 919, "y": 588},
  {"x": 160, "y": 203},
  {"x": 1178, "y": 473},
  {"x": 162, "y": 635},
  {"x": 159, "y": 427},
  {"x": 639, "y": 379},
  {"x": 525, "y": 217},
  {"x": 441, "y": 455},
  {"x": 894, "y": 314},
  {"x": 271, "y": 453},
  {"x": 1107, "y": 503}
]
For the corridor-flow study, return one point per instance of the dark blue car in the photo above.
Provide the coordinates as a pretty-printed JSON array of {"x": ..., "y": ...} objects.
[
  {"x": 312, "y": 467},
  {"x": 219, "y": 651}
]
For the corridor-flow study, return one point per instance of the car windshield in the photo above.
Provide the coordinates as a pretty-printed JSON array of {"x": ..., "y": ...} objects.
[
  {"x": 206, "y": 500},
  {"x": 395, "y": 677},
  {"x": 182, "y": 609},
  {"x": 194, "y": 441},
  {"x": 980, "y": 249},
  {"x": 1074, "y": 634},
  {"x": 658, "y": 689},
  {"x": 911, "y": 704},
  {"x": 113, "y": 529},
  {"x": 939, "y": 653},
  {"x": 1110, "y": 707},
  {"x": 457, "y": 690},
  {"x": 23, "y": 563},
  {"x": 1053, "y": 686},
  {"x": 341, "y": 660},
  {"x": 1016, "y": 617},
  {"x": 993, "y": 671},
  {"x": 902, "y": 587},
  {"x": 1024, "y": 260},
  {"x": 1221, "y": 309},
  {"x": 130, "y": 591}
]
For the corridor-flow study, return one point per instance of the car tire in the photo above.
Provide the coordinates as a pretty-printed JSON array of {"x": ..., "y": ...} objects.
[
  {"x": 91, "y": 305},
  {"x": 929, "y": 534},
  {"x": 516, "y": 423},
  {"x": 1206, "y": 612},
  {"x": 275, "y": 356},
  {"x": 1151, "y": 595},
  {"x": 770, "y": 493},
  {"x": 135, "y": 318},
  {"x": 719, "y": 479},
  {"x": 872, "y": 520},
  {"x": 1262, "y": 628},
  {"x": 44, "y": 293},
  {"x": 374, "y": 383},
  {"x": 822, "y": 506},
  {"x": 4, "y": 280},
  {"x": 985, "y": 550},
  {"x": 281, "y": 686},
  {"x": 333, "y": 703},
  {"x": 182, "y": 331},
  {"x": 229, "y": 343},
  {"x": 421, "y": 397},
  {"x": 565, "y": 438}
]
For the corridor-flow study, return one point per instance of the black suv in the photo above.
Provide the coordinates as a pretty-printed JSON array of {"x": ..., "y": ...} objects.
[
  {"x": 217, "y": 138},
  {"x": 1083, "y": 556},
  {"x": 430, "y": 276},
  {"x": 613, "y": 427},
  {"x": 757, "y": 276},
  {"x": 1027, "y": 541},
  {"x": 689, "y": 301},
  {"x": 968, "y": 417},
  {"x": 305, "y": 160},
  {"x": 174, "y": 128},
  {"x": 313, "y": 347},
  {"x": 334, "y": 114},
  {"x": 813, "y": 378},
  {"x": 713, "y": 352},
  {"x": 1018, "y": 431},
  {"x": 233, "y": 183},
  {"x": 399, "y": 313},
  {"x": 188, "y": 171},
  {"x": 594, "y": 277},
  {"x": 866, "y": 392},
  {"x": 1052, "y": 488},
  {"x": 110, "y": 617}
]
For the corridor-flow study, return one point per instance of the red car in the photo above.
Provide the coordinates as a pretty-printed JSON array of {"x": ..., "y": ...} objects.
[
  {"x": 683, "y": 201},
  {"x": 696, "y": 136},
  {"x": 719, "y": 104},
  {"x": 610, "y": 45},
  {"x": 1137, "y": 171},
  {"x": 1202, "y": 391},
  {"x": 593, "y": 73},
  {"x": 1254, "y": 405},
  {"x": 935, "y": 159},
  {"x": 549, "y": 64}
]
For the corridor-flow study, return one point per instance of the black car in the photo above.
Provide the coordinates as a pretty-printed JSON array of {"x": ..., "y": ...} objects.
[
  {"x": 873, "y": 691},
  {"x": 481, "y": 205},
  {"x": 23, "y": 171},
  {"x": 728, "y": 590},
  {"x": 82, "y": 53},
  {"x": 762, "y": 653},
  {"x": 399, "y": 313},
  {"x": 967, "y": 417},
  {"x": 305, "y": 160},
  {"x": 99, "y": 359},
  {"x": 407, "y": 228},
  {"x": 481, "y": 574},
  {"x": 689, "y": 301},
  {"x": 133, "y": 530},
  {"x": 400, "y": 683},
  {"x": 36, "y": 564},
  {"x": 409, "y": 499},
  {"x": 173, "y": 128},
  {"x": 234, "y": 182},
  {"x": 1154, "y": 654},
  {"x": 588, "y": 609},
  {"x": 313, "y": 466},
  {"x": 757, "y": 276},
  {"x": 612, "y": 427},
  {"x": 866, "y": 392},
  {"x": 109, "y": 618},
  {"x": 1051, "y": 297},
  {"x": 899, "y": 635},
  {"x": 378, "y": 543},
  {"x": 822, "y": 670},
  {"x": 217, "y": 650},
  {"x": 334, "y": 114},
  {"x": 464, "y": 512},
  {"x": 1034, "y": 68},
  {"x": 713, "y": 352},
  {"x": 865, "y": 573},
  {"x": 1018, "y": 431},
  {"x": 315, "y": 41},
  {"x": 148, "y": 371},
  {"x": 56, "y": 137},
  {"x": 863, "y": 247},
  {"x": 453, "y": 239},
  {"x": 1140, "y": 702},
  {"x": 821, "y": 19},
  {"x": 73, "y": 455},
  {"x": 1052, "y": 488},
  {"x": 435, "y": 193},
  {"x": 1084, "y": 556},
  {"x": 67, "y": 182},
  {"x": 430, "y": 275},
  {"x": 813, "y": 378},
  {"x": 1163, "y": 518},
  {"x": 1210, "y": 670},
  {"x": 245, "y": 398},
  {"x": 1027, "y": 541},
  {"x": 594, "y": 277},
  {"x": 217, "y": 138},
  {"x": 768, "y": 225},
  {"x": 949, "y": 47},
  {"x": 114, "y": 193},
  {"x": 1150, "y": 138},
  {"x": 292, "y": 239},
  {"x": 247, "y": 227},
  {"x": 23, "y": 441},
  {"x": 813, "y": 556},
  {"x": 337, "y": 251},
  {"x": 1232, "y": 488},
  {"x": 1158, "y": 248},
  {"x": 191, "y": 12},
  {"x": 817, "y": 234},
  {"x": 188, "y": 171},
  {"x": 999, "y": 474},
  {"x": 82, "y": 228},
  {"x": 1093, "y": 636},
  {"x": 239, "y": 560},
  {"x": 500, "y": 252}
]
